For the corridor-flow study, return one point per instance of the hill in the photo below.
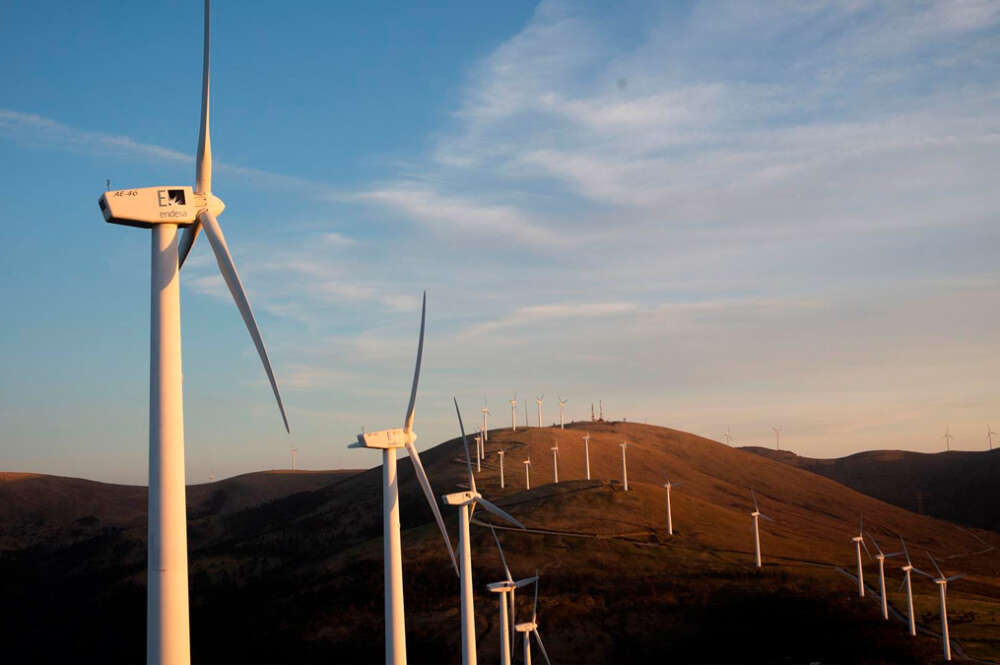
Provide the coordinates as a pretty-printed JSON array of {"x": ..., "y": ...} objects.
[
  {"x": 299, "y": 579},
  {"x": 960, "y": 486}
]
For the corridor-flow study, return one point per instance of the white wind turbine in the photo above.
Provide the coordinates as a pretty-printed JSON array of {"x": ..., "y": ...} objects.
[
  {"x": 881, "y": 557},
  {"x": 538, "y": 400},
  {"x": 624, "y": 445},
  {"x": 163, "y": 210},
  {"x": 777, "y": 437},
  {"x": 529, "y": 628},
  {"x": 555, "y": 464},
  {"x": 513, "y": 414},
  {"x": 389, "y": 441},
  {"x": 728, "y": 436},
  {"x": 859, "y": 542},
  {"x": 526, "y": 414},
  {"x": 989, "y": 437},
  {"x": 505, "y": 590},
  {"x": 947, "y": 438},
  {"x": 586, "y": 452},
  {"x": 942, "y": 583},
  {"x": 908, "y": 584},
  {"x": 486, "y": 412},
  {"x": 527, "y": 474},
  {"x": 562, "y": 403},
  {"x": 466, "y": 503},
  {"x": 501, "y": 453},
  {"x": 756, "y": 514},
  {"x": 670, "y": 517},
  {"x": 479, "y": 442}
]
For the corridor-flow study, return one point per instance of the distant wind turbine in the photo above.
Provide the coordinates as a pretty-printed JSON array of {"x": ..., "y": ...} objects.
[
  {"x": 530, "y": 628},
  {"x": 527, "y": 474},
  {"x": 881, "y": 557},
  {"x": 505, "y": 592},
  {"x": 908, "y": 584},
  {"x": 513, "y": 414},
  {"x": 555, "y": 464},
  {"x": 562, "y": 403},
  {"x": 756, "y": 514},
  {"x": 670, "y": 517},
  {"x": 728, "y": 436},
  {"x": 989, "y": 437},
  {"x": 624, "y": 445},
  {"x": 501, "y": 453},
  {"x": 294, "y": 450},
  {"x": 538, "y": 400},
  {"x": 389, "y": 441},
  {"x": 601, "y": 403},
  {"x": 479, "y": 442},
  {"x": 586, "y": 452},
  {"x": 486, "y": 412},
  {"x": 947, "y": 439},
  {"x": 467, "y": 502},
  {"x": 526, "y": 425},
  {"x": 859, "y": 541},
  {"x": 777, "y": 437}
]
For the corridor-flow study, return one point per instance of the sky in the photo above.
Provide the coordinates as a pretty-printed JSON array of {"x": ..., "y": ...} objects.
[{"x": 708, "y": 215}]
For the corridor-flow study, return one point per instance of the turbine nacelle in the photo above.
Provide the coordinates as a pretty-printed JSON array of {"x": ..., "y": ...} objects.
[
  {"x": 384, "y": 439},
  {"x": 461, "y": 498},
  {"x": 145, "y": 207}
]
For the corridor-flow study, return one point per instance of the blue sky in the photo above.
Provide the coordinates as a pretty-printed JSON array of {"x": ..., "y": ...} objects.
[{"x": 706, "y": 214}]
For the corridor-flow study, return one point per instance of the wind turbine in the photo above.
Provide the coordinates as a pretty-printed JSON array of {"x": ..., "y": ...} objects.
[
  {"x": 526, "y": 414},
  {"x": 466, "y": 503},
  {"x": 505, "y": 591},
  {"x": 728, "y": 436},
  {"x": 777, "y": 437},
  {"x": 555, "y": 463},
  {"x": 670, "y": 517},
  {"x": 592, "y": 418},
  {"x": 859, "y": 541},
  {"x": 294, "y": 450},
  {"x": 601, "y": 404},
  {"x": 164, "y": 209},
  {"x": 586, "y": 452},
  {"x": 942, "y": 583},
  {"x": 908, "y": 583},
  {"x": 989, "y": 437},
  {"x": 479, "y": 442},
  {"x": 947, "y": 439},
  {"x": 538, "y": 400},
  {"x": 624, "y": 445},
  {"x": 881, "y": 557},
  {"x": 500, "y": 453},
  {"x": 756, "y": 514},
  {"x": 389, "y": 441},
  {"x": 529, "y": 628},
  {"x": 527, "y": 474},
  {"x": 513, "y": 414},
  {"x": 562, "y": 403},
  {"x": 486, "y": 412}
]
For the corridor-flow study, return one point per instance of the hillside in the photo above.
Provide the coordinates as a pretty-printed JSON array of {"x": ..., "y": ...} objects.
[
  {"x": 960, "y": 486},
  {"x": 299, "y": 579}
]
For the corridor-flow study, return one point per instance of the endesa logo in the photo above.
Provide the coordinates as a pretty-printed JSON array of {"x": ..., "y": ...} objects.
[{"x": 167, "y": 198}]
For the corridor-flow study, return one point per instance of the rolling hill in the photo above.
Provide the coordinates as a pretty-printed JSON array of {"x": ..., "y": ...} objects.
[{"x": 299, "y": 578}]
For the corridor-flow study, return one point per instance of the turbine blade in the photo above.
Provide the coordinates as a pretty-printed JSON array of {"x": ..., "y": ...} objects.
[
  {"x": 936, "y": 566},
  {"x": 920, "y": 572},
  {"x": 228, "y": 269},
  {"x": 955, "y": 577},
  {"x": 766, "y": 517},
  {"x": 188, "y": 237},
  {"x": 425, "y": 485},
  {"x": 465, "y": 442},
  {"x": 503, "y": 559},
  {"x": 408, "y": 423},
  {"x": 499, "y": 512},
  {"x": 203, "y": 167},
  {"x": 902, "y": 585},
  {"x": 875, "y": 543},
  {"x": 905, "y": 551},
  {"x": 538, "y": 638},
  {"x": 754, "y": 495},
  {"x": 867, "y": 551},
  {"x": 526, "y": 581},
  {"x": 534, "y": 609}
]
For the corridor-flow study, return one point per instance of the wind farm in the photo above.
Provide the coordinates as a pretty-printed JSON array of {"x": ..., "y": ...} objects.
[{"x": 747, "y": 253}]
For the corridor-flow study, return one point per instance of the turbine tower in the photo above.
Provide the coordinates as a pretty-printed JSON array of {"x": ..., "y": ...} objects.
[
  {"x": 486, "y": 412},
  {"x": 389, "y": 441},
  {"x": 538, "y": 400},
  {"x": 592, "y": 419},
  {"x": 500, "y": 453},
  {"x": 562, "y": 403},
  {"x": 164, "y": 209},
  {"x": 989, "y": 437},
  {"x": 942, "y": 583},
  {"x": 601, "y": 404},
  {"x": 466, "y": 503},
  {"x": 527, "y": 474},
  {"x": 623, "y": 445},
  {"x": 756, "y": 514},
  {"x": 881, "y": 557},
  {"x": 947, "y": 439},
  {"x": 479, "y": 442},
  {"x": 555, "y": 464},
  {"x": 670, "y": 517},
  {"x": 526, "y": 414},
  {"x": 586, "y": 452},
  {"x": 513, "y": 414},
  {"x": 777, "y": 438},
  {"x": 859, "y": 541},
  {"x": 728, "y": 436}
]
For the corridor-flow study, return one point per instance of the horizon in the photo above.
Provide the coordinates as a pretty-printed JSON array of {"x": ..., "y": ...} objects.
[{"x": 708, "y": 217}]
